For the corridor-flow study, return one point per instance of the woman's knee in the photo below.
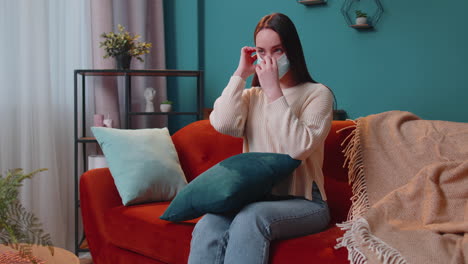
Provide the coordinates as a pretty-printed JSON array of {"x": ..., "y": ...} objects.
[
  {"x": 209, "y": 239},
  {"x": 281, "y": 220},
  {"x": 212, "y": 223},
  {"x": 251, "y": 219}
]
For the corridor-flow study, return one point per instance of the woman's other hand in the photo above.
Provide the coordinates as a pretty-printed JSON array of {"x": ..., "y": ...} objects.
[
  {"x": 246, "y": 63},
  {"x": 267, "y": 72}
]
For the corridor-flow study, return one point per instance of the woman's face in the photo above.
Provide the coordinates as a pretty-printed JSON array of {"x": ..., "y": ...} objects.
[{"x": 268, "y": 43}]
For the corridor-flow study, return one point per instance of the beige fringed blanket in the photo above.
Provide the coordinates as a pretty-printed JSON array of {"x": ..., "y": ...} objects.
[{"x": 410, "y": 191}]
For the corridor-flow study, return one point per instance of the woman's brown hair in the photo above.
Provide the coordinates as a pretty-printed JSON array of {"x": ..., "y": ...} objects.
[{"x": 287, "y": 32}]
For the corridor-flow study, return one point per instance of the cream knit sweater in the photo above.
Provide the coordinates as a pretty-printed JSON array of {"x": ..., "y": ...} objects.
[{"x": 295, "y": 124}]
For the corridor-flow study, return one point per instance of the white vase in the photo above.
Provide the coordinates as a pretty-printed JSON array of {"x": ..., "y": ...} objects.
[
  {"x": 165, "y": 107},
  {"x": 361, "y": 20}
]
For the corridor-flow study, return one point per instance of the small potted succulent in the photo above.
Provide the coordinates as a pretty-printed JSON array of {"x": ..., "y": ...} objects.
[
  {"x": 123, "y": 46},
  {"x": 361, "y": 18},
  {"x": 166, "y": 106}
]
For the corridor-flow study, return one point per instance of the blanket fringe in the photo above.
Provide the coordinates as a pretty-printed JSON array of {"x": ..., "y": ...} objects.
[
  {"x": 354, "y": 161},
  {"x": 359, "y": 229},
  {"x": 355, "y": 256}
]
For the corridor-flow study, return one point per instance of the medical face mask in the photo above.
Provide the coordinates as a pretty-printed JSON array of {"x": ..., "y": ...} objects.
[{"x": 283, "y": 65}]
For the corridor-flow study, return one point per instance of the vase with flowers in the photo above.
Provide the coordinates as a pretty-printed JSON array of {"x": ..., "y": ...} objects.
[{"x": 123, "y": 46}]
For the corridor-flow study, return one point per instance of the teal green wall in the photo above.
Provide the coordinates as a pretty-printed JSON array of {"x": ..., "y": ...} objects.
[
  {"x": 416, "y": 60},
  {"x": 182, "y": 52}
]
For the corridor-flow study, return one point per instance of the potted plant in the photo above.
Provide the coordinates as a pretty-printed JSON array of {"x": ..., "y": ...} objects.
[
  {"x": 361, "y": 18},
  {"x": 166, "y": 106},
  {"x": 19, "y": 229},
  {"x": 123, "y": 46}
]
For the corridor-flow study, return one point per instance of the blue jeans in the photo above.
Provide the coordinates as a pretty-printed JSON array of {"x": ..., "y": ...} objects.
[{"x": 245, "y": 237}]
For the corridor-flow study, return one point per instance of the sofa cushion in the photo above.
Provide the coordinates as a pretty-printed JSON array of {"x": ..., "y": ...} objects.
[
  {"x": 316, "y": 248},
  {"x": 138, "y": 228},
  {"x": 143, "y": 162},
  {"x": 230, "y": 185}
]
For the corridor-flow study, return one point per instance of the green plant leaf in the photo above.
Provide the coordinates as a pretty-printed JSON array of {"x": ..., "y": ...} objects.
[
  {"x": 17, "y": 226},
  {"x": 123, "y": 42}
]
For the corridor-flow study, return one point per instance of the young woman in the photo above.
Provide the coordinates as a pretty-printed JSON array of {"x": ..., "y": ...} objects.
[{"x": 285, "y": 111}]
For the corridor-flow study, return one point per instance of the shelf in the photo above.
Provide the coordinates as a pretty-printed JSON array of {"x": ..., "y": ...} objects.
[
  {"x": 154, "y": 72},
  {"x": 352, "y": 6},
  {"x": 163, "y": 113},
  {"x": 312, "y": 2},
  {"x": 86, "y": 139},
  {"x": 363, "y": 26},
  {"x": 81, "y": 110}
]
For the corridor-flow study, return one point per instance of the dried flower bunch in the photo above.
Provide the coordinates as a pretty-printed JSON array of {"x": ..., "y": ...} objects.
[{"x": 123, "y": 43}]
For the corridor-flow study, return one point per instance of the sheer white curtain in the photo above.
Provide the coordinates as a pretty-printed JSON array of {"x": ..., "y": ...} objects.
[{"x": 43, "y": 41}]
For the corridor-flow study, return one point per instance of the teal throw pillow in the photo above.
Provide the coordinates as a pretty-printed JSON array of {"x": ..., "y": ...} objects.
[
  {"x": 143, "y": 163},
  {"x": 230, "y": 185}
]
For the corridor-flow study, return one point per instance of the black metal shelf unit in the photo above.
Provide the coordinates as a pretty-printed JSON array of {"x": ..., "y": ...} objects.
[{"x": 81, "y": 138}]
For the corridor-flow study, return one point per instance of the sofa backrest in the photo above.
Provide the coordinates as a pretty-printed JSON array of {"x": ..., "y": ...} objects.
[
  {"x": 336, "y": 175},
  {"x": 200, "y": 147}
]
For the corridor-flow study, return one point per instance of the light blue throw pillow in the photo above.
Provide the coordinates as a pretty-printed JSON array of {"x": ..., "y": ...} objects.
[{"x": 143, "y": 163}]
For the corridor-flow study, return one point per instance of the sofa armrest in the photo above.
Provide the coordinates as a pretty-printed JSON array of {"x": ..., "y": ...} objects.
[{"x": 97, "y": 195}]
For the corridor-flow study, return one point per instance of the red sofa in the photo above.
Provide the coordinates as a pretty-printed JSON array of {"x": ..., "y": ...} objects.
[{"x": 122, "y": 235}]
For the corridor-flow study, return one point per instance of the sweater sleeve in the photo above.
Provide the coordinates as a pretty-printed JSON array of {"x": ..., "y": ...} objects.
[
  {"x": 300, "y": 135},
  {"x": 230, "y": 109}
]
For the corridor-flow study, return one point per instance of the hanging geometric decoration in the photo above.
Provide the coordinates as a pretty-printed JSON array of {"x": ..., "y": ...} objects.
[{"x": 367, "y": 13}]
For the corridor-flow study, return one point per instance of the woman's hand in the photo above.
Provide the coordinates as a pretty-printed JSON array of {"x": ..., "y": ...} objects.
[
  {"x": 246, "y": 66},
  {"x": 267, "y": 73}
]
